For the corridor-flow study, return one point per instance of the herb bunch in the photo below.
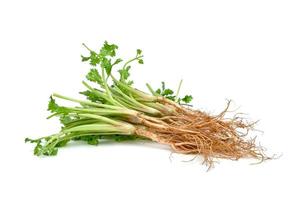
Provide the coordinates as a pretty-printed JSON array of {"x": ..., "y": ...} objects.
[{"x": 115, "y": 110}]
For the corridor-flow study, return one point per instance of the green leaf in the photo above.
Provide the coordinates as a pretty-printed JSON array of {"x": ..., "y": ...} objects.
[
  {"x": 124, "y": 73},
  {"x": 84, "y": 59},
  {"x": 40, "y": 150},
  {"x": 167, "y": 92},
  {"x": 90, "y": 139},
  {"x": 108, "y": 49},
  {"x": 171, "y": 97},
  {"x": 138, "y": 51},
  {"x": 55, "y": 108},
  {"x": 93, "y": 97},
  {"x": 50, "y": 151},
  {"x": 106, "y": 64},
  {"x": 158, "y": 91},
  {"x": 140, "y": 61},
  {"x": 117, "y": 61},
  {"x": 187, "y": 99},
  {"x": 52, "y": 106},
  {"x": 66, "y": 119},
  {"x": 94, "y": 58},
  {"x": 94, "y": 76}
]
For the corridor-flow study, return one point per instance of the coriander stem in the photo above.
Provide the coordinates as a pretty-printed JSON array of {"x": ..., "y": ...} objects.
[
  {"x": 141, "y": 94},
  {"x": 101, "y": 118},
  {"x": 151, "y": 90},
  {"x": 103, "y": 128},
  {"x": 178, "y": 89},
  {"x": 133, "y": 59},
  {"x": 86, "y": 47},
  {"x": 106, "y": 87},
  {"x": 85, "y": 102}
]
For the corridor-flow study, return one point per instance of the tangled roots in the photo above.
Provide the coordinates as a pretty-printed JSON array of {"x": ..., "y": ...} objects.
[{"x": 195, "y": 132}]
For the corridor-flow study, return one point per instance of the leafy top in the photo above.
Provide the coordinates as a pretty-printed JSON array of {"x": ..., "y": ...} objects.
[{"x": 169, "y": 94}]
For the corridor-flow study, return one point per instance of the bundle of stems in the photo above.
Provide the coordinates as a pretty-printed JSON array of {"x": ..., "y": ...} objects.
[{"x": 114, "y": 109}]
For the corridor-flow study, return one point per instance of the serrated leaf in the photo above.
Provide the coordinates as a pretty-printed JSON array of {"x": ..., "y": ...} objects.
[
  {"x": 55, "y": 108},
  {"x": 94, "y": 58},
  {"x": 124, "y": 73},
  {"x": 106, "y": 64},
  {"x": 108, "y": 49},
  {"x": 94, "y": 76}
]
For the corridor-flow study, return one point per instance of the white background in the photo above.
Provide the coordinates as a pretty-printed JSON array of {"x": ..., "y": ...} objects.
[{"x": 240, "y": 50}]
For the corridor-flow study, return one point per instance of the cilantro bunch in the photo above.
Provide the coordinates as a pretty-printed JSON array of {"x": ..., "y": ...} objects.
[{"x": 113, "y": 108}]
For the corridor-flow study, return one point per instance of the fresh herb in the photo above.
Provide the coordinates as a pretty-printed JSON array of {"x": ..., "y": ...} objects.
[{"x": 115, "y": 110}]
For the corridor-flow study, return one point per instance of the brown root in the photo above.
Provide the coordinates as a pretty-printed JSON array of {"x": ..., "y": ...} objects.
[{"x": 195, "y": 132}]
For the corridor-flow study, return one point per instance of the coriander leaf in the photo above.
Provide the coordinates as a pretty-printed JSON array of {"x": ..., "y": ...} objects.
[
  {"x": 106, "y": 64},
  {"x": 94, "y": 76},
  {"x": 94, "y": 58},
  {"x": 108, "y": 50},
  {"x": 187, "y": 99},
  {"x": 90, "y": 139},
  {"x": 66, "y": 119},
  {"x": 124, "y": 73},
  {"x": 158, "y": 91},
  {"x": 140, "y": 61},
  {"x": 138, "y": 51},
  {"x": 55, "y": 108},
  {"x": 84, "y": 58},
  {"x": 52, "y": 151},
  {"x": 117, "y": 61},
  {"x": 93, "y": 97},
  {"x": 52, "y": 106},
  {"x": 167, "y": 92},
  {"x": 40, "y": 149},
  {"x": 171, "y": 97}
]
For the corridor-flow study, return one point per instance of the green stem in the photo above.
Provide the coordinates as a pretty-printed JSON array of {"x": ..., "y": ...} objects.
[
  {"x": 87, "y": 47},
  {"x": 151, "y": 90},
  {"x": 103, "y": 128},
  {"x": 103, "y": 112},
  {"x": 98, "y": 93},
  {"x": 101, "y": 118},
  {"x": 136, "y": 92},
  {"x": 85, "y": 102},
  {"x": 178, "y": 89},
  {"x": 133, "y": 59},
  {"x": 133, "y": 104},
  {"x": 106, "y": 87}
]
